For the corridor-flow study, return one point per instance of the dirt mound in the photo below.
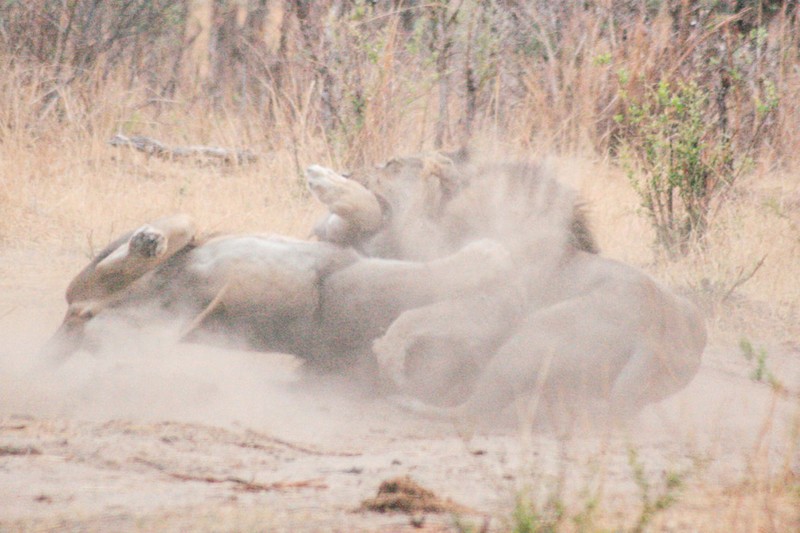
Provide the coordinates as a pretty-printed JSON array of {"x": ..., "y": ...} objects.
[{"x": 404, "y": 495}]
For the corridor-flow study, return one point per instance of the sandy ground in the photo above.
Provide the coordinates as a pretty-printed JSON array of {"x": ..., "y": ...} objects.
[{"x": 156, "y": 436}]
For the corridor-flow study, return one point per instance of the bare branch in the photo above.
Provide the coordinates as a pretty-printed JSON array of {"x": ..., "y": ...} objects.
[
  {"x": 743, "y": 278},
  {"x": 156, "y": 148}
]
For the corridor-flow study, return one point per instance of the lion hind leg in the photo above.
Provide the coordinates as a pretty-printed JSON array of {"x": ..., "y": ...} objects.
[
  {"x": 148, "y": 246},
  {"x": 391, "y": 350},
  {"x": 130, "y": 257},
  {"x": 213, "y": 305},
  {"x": 560, "y": 352},
  {"x": 645, "y": 379}
]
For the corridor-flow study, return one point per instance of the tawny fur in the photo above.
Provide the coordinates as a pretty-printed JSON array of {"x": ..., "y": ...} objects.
[
  {"x": 321, "y": 302},
  {"x": 605, "y": 331}
]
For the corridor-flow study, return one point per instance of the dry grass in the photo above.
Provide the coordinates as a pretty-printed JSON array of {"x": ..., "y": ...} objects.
[
  {"x": 760, "y": 219},
  {"x": 67, "y": 189},
  {"x": 77, "y": 192}
]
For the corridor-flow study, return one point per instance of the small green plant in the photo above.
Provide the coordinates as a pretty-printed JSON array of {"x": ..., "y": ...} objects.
[
  {"x": 680, "y": 155},
  {"x": 673, "y": 483},
  {"x": 758, "y": 356},
  {"x": 674, "y": 161},
  {"x": 526, "y": 518},
  {"x": 584, "y": 520},
  {"x": 459, "y": 524},
  {"x": 603, "y": 59}
]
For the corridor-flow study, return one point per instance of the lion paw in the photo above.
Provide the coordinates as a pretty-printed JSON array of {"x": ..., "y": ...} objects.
[
  {"x": 488, "y": 252},
  {"x": 325, "y": 184},
  {"x": 391, "y": 359},
  {"x": 487, "y": 260},
  {"x": 148, "y": 242}
]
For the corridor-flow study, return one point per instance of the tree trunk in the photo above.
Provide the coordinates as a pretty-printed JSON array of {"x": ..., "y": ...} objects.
[
  {"x": 443, "y": 43},
  {"x": 222, "y": 48}
]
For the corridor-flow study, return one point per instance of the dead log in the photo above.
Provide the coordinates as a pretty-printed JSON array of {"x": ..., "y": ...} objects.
[{"x": 158, "y": 149}]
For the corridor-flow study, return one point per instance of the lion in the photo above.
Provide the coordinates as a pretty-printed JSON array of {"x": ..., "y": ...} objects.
[
  {"x": 322, "y": 302},
  {"x": 568, "y": 325}
]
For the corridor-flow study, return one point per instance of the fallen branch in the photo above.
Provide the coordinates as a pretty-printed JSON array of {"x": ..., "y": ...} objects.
[
  {"x": 251, "y": 486},
  {"x": 239, "y": 483},
  {"x": 19, "y": 450},
  {"x": 158, "y": 149},
  {"x": 293, "y": 446},
  {"x": 743, "y": 278}
]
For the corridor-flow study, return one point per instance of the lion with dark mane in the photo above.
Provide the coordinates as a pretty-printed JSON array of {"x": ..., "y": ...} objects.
[{"x": 568, "y": 324}]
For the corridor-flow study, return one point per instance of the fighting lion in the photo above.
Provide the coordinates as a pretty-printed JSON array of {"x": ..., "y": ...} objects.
[
  {"x": 465, "y": 284},
  {"x": 319, "y": 301},
  {"x": 568, "y": 325}
]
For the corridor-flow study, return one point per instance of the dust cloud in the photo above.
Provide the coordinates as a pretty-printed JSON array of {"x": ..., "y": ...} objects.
[
  {"x": 147, "y": 375},
  {"x": 721, "y": 429}
]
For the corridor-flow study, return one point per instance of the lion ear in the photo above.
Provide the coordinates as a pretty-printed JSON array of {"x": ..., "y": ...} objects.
[
  {"x": 461, "y": 156},
  {"x": 440, "y": 183},
  {"x": 444, "y": 171}
]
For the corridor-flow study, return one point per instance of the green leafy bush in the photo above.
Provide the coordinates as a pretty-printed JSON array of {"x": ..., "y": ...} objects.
[
  {"x": 681, "y": 156},
  {"x": 676, "y": 160}
]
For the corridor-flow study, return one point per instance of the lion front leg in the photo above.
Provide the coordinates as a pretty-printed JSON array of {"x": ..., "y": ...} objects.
[
  {"x": 354, "y": 210},
  {"x": 370, "y": 294},
  {"x": 410, "y": 329},
  {"x": 390, "y": 352},
  {"x": 436, "y": 352},
  {"x": 477, "y": 266}
]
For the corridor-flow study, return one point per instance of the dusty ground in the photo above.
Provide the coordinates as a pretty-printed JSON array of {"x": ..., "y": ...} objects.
[{"x": 153, "y": 436}]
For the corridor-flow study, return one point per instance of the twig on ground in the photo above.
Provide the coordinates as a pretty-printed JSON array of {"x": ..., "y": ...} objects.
[
  {"x": 241, "y": 484},
  {"x": 293, "y": 446},
  {"x": 19, "y": 450},
  {"x": 251, "y": 486},
  {"x": 743, "y": 278}
]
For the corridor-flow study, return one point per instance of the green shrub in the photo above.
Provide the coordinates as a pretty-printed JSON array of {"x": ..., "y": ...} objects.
[
  {"x": 675, "y": 161},
  {"x": 680, "y": 156}
]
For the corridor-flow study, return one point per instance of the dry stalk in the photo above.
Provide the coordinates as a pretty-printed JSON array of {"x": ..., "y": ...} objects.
[{"x": 742, "y": 278}]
